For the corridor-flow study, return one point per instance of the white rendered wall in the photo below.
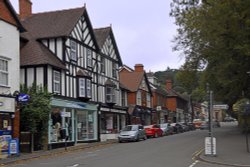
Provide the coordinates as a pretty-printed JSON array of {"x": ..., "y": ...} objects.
[{"x": 9, "y": 48}]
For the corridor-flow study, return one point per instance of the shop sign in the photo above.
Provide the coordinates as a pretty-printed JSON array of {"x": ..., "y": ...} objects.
[
  {"x": 23, "y": 98},
  {"x": 7, "y": 104},
  {"x": 65, "y": 114},
  {"x": 13, "y": 146}
]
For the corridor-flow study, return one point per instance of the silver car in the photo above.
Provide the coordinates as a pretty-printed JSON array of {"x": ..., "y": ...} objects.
[{"x": 132, "y": 133}]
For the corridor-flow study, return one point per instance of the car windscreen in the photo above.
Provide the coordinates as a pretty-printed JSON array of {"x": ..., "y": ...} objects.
[{"x": 130, "y": 128}]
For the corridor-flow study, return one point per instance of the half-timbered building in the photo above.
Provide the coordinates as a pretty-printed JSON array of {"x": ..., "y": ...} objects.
[
  {"x": 61, "y": 53},
  {"x": 112, "y": 110}
]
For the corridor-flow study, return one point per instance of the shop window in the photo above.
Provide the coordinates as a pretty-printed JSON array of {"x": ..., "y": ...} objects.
[
  {"x": 61, "y": 125},
  {"x": 86, "y": 125}
]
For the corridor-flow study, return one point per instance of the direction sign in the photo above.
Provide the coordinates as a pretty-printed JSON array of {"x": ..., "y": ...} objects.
[
  {"x": 220, "y": 106},
  {"x": 23, "y": 97}
]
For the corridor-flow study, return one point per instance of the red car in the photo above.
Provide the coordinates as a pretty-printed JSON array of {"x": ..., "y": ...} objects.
[{"x": 153, "y": 130}]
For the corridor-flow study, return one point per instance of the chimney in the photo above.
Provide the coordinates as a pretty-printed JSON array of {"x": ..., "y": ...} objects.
[
  {"x": 25, "y": 8},
  {"x": 139, "y": 68},
  {"x": 168, "y": 84}
]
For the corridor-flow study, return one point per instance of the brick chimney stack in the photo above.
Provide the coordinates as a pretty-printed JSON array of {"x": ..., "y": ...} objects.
[
  {"x": 139, "y": 68},
  {"x": 25, "y": 8},
  {"x": 168, "y": 84}
]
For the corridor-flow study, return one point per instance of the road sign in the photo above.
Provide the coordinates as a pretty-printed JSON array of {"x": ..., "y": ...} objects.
[
  {"x": 23, "y": 97},
  {"x": 210, "y": 146},
  {"x": 220, "y": 106}
]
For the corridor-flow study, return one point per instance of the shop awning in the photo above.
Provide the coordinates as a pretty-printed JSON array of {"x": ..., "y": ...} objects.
[{"x": 73, "y": 104}]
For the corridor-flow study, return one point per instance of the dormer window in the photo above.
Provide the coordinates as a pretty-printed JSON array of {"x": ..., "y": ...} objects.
[
  {"x": 84, "y": 85},
  {"x": 73, "y": 50}
]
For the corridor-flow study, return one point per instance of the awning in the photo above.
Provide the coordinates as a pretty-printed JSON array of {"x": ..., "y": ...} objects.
[{"x": 73, "y": 104}]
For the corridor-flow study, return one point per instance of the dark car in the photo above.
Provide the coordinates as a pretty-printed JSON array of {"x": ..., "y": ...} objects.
[{"x": 177, "y": 127}]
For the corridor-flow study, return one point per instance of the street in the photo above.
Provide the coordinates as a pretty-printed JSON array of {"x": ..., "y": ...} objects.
[{"x": 176, "y": 150}]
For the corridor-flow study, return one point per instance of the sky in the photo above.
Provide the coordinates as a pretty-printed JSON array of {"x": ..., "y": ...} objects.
[{"x": 143, "y": 29}]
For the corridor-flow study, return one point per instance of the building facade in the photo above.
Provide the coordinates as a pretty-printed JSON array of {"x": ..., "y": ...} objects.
[
  {"x": 10, "y": 28},
  {"x": 140, "y": 109},
  {"x": 61, "y": 54}
]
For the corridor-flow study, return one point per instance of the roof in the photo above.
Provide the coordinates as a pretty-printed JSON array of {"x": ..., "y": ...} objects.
[
  {"x": 102, "y": 34},
  {"x": 52, "y": 24},
  {"x": 49, "y": 25},
  {"x": 131, "y": 80},
  {"x": 35, "y": 53},
  {"x": 13, "y": 15}
]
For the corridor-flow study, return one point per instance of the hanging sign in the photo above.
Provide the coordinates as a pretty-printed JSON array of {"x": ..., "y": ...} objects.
[{"x": 23, "y": 98}]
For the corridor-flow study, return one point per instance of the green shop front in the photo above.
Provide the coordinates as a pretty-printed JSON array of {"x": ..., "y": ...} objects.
[{"x": 72, "y": 122}]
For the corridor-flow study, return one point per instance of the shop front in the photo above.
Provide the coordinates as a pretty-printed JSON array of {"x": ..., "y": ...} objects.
[
  {"x": 112, "y": 120},
  {"x": 7, "y": 114},
  {"x": 72, "y": 122}
]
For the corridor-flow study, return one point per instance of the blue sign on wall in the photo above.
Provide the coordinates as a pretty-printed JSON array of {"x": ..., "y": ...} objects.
[{"x": 23, "y": 98}]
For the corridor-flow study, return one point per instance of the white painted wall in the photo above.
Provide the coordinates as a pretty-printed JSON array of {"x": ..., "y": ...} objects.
[{"x": 9, "y": 48}]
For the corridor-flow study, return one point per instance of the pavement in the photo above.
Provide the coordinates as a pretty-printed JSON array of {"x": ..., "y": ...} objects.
[{"x": 231, "y": 149}]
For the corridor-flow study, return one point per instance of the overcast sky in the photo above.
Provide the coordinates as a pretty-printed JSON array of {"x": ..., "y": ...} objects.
[{"x": 143, "y": 29}]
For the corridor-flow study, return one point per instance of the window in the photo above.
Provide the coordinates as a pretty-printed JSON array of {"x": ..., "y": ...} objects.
[
  {"x": 102, "y": 65},
  {"x": 148, "y": 100},
  {"x": 138, "y": 98},
  {"x": 4, "y": 72},
  {"x": 73, "y": 51},
  {"x": 89, "y": 58},
  {"x": 84, "y": 87},
  {"x": 82, "y": 90},
  {"x": 56, "y": 81},
  {"x": 88, "y": 88},
  {"x": 114, "y": 72},
  {"x": 110, "y": 94}
]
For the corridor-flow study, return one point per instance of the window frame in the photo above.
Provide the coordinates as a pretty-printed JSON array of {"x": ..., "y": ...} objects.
[
  {"x": 4, "y": 71},
  {"x": 89, "y": 57},
  {"x": 102, "y": 65},
  {"x": 139, "y": 97},
  {"x": 86, "y": 88},
  {"x": 73, "y": 50},
  {"x": 110, "y": 94},
  {"x": 114, "y": 71},
  {"x": 57, "y": 83}
]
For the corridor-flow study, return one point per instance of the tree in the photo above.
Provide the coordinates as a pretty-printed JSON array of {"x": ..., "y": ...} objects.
[
  {"x": 34, "y": 115},
  {"x": 214, "y": 37}
]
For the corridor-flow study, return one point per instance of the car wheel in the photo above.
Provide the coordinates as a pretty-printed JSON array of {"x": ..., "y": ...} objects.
[
  {"x": 119, "y": 141},
  {"x": 137, "y": 138},
  {"x": 156, "y": 135}
]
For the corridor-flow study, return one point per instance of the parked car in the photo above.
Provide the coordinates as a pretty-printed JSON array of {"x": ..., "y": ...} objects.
[
  {"x": 167, "y": 129},
  {"x": 185, "y": 127},
  {"x": 177, "y": 127},
  {"x": 197, "y": 123},
  {"x": 132, "y": 133},
  {"x": 153, "y": 130},
  {"x": 191, "y": 126},
  {"x": 204, "y": 125}
]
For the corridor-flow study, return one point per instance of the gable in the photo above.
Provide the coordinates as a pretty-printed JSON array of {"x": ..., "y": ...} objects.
[
  {"x": 83, "y": 32},
  {"x": 9, "y": 15},
  {"x": 107, "y": 43}
]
